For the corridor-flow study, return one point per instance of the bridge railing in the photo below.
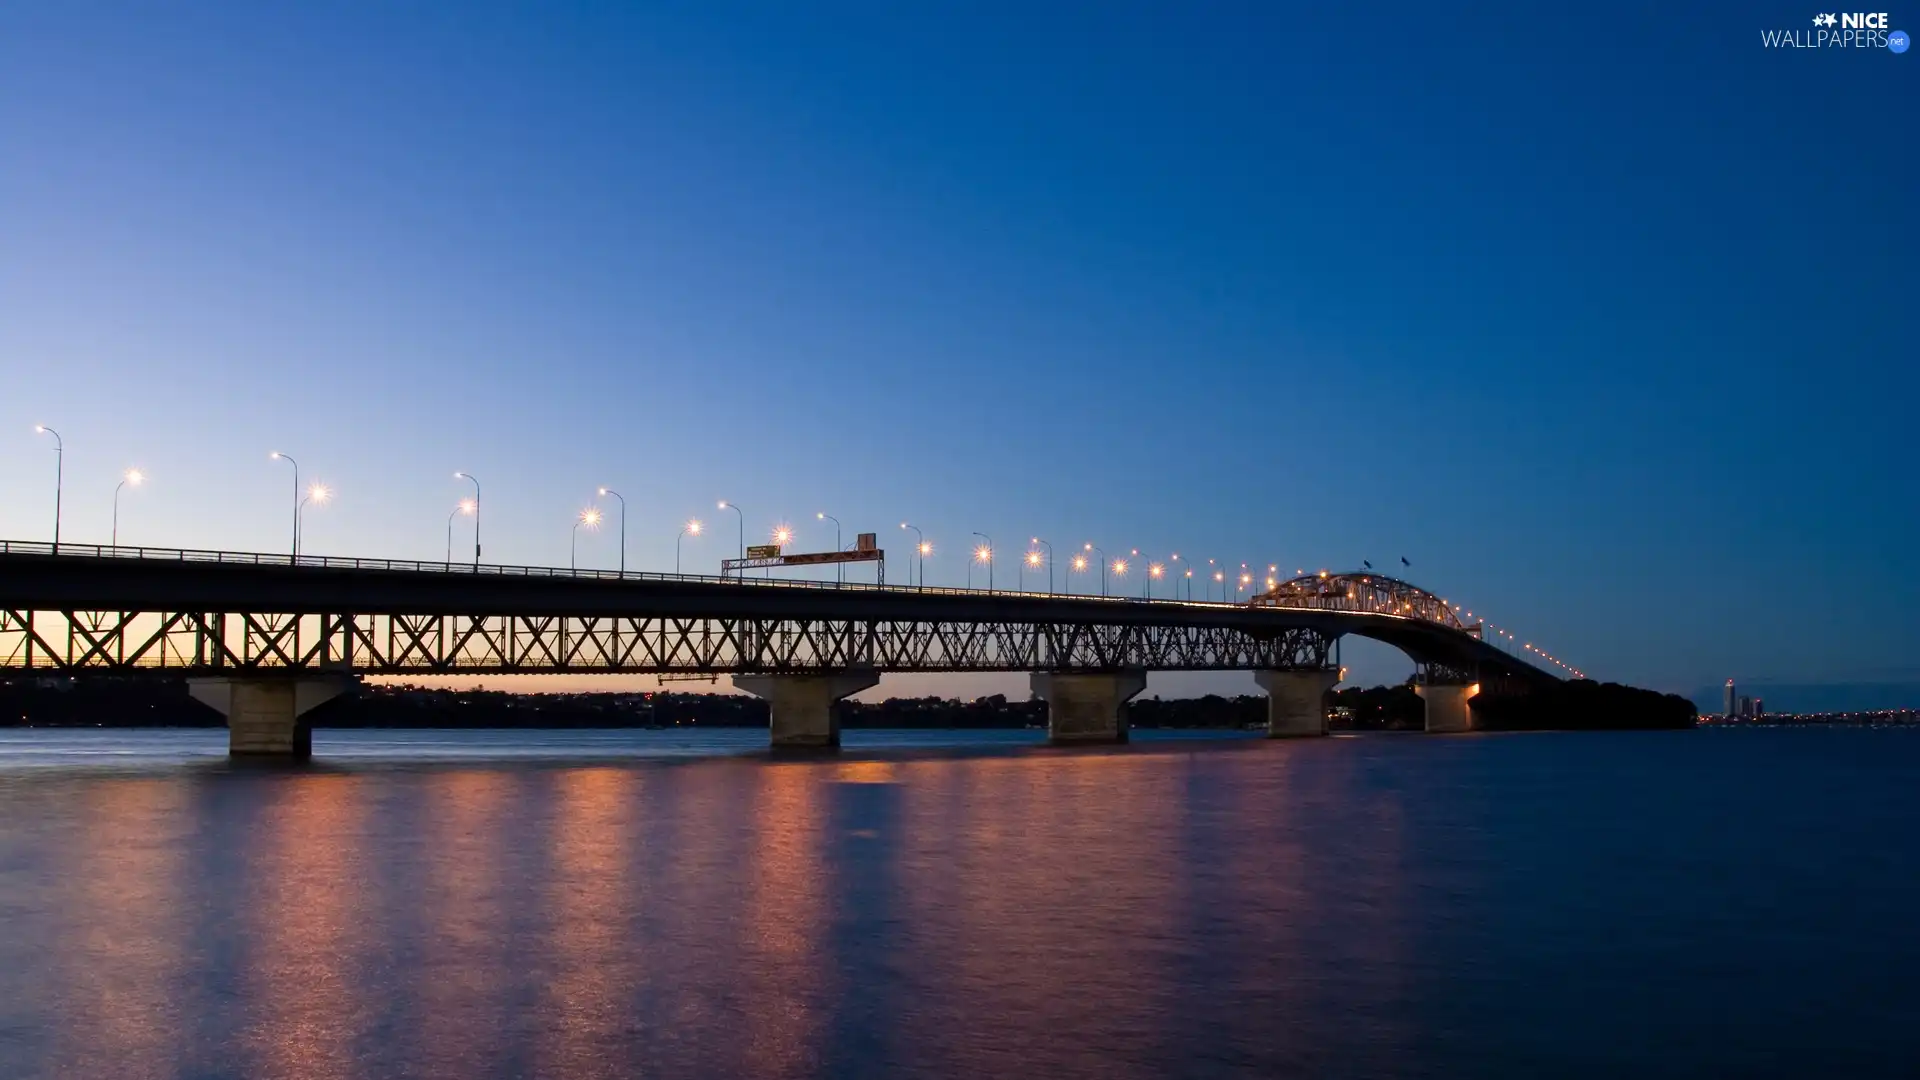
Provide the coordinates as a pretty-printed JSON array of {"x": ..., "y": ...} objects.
[{"x": 436, "y": 566}]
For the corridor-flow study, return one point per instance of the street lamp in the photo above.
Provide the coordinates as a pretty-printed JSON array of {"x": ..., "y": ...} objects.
[
  {"x": 317, "y": 495},
  {"x": 693, "y": 527},
  {"x": 288, "y": 458},
  {"x": 1119, "y": 571},
  {"x": 590, "y": 517},
  {"x": 134, "y": 477},
  {"x": 725, "y": 505},
  {"x": 1154, "y": 573},
  {"x": 920, "y": 549},
  {"x": 465, "y": 506},
  {"x": 983, "y": 553},
  {"x": 1049, "y": 548},
  {"x": 1103, "y": 567},
  {"x": 782, "y": 536},
  {"x": 476, "y": 514},
  {"x": 623, "y": 527},
  {"x": 59, "y": 477},
  {"x": 1076, "y": 566},
  {"x": 1189, "y": 586},
  {"x": 840, "y": 569}
]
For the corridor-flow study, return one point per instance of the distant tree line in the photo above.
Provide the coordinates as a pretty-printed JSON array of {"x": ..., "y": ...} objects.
[{"x": 105, "y": 701}]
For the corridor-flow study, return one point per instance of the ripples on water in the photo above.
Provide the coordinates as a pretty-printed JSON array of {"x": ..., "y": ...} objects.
[{"x": 615, "y": 904}]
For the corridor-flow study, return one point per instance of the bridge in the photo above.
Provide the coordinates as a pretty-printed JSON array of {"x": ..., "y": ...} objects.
[{"x": 264, "y": 639}]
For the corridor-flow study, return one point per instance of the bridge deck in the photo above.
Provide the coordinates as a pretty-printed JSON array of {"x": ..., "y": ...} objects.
[{"x": 129, "y": 609}]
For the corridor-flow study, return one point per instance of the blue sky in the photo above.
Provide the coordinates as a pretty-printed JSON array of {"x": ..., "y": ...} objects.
[{"x": 1596, "y": 315}]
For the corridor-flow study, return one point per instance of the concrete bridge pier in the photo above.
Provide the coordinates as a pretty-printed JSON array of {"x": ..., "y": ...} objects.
[
  {"x": 1087, "y": 707},
  {"x": 1449, "y": 708},
  {"x": 1296, "y": 701},
  {"x": 805, "y": 709},
  {"x": 264, "y": 713}
]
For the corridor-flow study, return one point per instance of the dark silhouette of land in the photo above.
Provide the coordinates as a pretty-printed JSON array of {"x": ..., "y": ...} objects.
[{"x": 113, "y": 702}]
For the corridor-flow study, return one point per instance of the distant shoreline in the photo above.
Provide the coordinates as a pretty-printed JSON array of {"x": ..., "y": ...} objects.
[{"x": 145, "y": 703}]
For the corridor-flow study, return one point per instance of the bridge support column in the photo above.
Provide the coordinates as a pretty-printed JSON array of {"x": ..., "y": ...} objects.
[
  {"x": 264, "y": 713},
  {"x": 1087, "y": 708},
  {"x": 1296, "y": 701},
  {"x": 805, "y": 709},
  {"x": 1449, "y": 710}
]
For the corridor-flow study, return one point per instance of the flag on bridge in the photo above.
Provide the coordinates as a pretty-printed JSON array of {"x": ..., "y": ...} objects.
[
  {"x": 1366, "y": 564},
  {"x": 1404, "y": 562}
]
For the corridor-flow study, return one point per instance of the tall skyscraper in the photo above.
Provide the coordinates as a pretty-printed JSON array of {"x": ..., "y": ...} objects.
[{"x": 1731, "y": 701}]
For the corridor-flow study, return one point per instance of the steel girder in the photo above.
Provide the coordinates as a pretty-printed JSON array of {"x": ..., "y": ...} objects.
[
  {"x": 191, "y": 642},
  {"x": 1367, "y": 593}
]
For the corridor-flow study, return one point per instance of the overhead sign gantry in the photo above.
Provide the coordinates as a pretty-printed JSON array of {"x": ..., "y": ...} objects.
[{"x": 866, "y": 548}]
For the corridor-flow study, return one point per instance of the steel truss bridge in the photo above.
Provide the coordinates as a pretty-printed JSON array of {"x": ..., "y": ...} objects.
[{"x": 142, "y": 611}]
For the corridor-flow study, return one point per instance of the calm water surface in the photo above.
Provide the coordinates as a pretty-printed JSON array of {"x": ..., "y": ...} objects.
[{"x": 621, "y": 904}]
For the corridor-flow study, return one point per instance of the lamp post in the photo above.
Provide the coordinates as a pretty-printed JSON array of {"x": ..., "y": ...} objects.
[
  {"x": 693, "y": 527},
  {"x": 840, "y": 569},
  {"x": 985, "y": 555},
  {"x": 623, "y": 527},
  {"x": 590, "y": 517},
  {"x": 1189, "y": 586},
  {"x": 1103, "y": 567},
  {"x": 317, "y": 494},
  {"x": 920, "y": 551},
  {"x": 1078, "y": 564},
  {"x": 725, "y": 505},
  {"x": 1049, "y": 548},
  {"x": 1119, "y": 571},
  {"x": 288, "y": 458},
  {"x": 476, "y": 514},
  {"x": 465, "y": 506},
  {"x": 59, "y": 477},
  {"x": 1153, "y": 574},
  {"x": 134, "y": 477}
]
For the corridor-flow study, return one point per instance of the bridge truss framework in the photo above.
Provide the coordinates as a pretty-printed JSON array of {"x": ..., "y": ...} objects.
[{"x": 213, "y": 643}]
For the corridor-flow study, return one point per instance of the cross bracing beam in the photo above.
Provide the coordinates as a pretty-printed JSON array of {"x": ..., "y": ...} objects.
[{"x": 192, "y": 643}]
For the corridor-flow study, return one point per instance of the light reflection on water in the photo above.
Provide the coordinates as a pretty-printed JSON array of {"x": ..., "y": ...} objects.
[{"x": 1636, "y": 904}]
